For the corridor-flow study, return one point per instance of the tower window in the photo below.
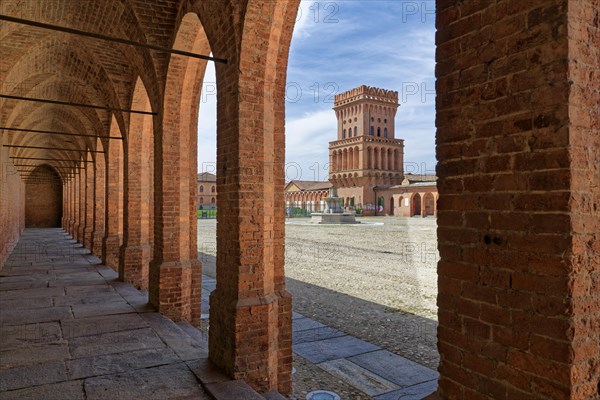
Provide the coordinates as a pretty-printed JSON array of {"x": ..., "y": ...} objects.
[
  {"x": 384, "y": 132},
  {"x": 372, "y": 131},
  {"x": 344, "y": 134},
  {"x": 355, "y": 131},
  {"x": 378, "y": 132}
]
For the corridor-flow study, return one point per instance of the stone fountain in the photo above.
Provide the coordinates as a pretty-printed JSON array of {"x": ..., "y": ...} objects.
[{"x": 334, "y": 211}]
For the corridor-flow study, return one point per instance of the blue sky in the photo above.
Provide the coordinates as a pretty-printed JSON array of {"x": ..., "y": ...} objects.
[{"x": 338, "y": 45}]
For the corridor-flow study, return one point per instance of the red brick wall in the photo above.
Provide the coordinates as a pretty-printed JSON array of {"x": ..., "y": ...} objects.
[
  {"x": 43, "y": 200},
  {"x": 584, "y": 146},
  {"x": 517, "y": 145}
]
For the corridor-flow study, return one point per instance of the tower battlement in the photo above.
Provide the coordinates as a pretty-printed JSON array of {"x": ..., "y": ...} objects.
[{"x": 368, "y": 93}]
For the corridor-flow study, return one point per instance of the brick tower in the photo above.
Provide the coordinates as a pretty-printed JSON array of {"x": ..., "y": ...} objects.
[{"x": 366, "y": 153}]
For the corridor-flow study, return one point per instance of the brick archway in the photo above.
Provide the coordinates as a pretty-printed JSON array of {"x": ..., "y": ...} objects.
[
  {"x": 416, "y": 205},
  {"x": 114, "y": 197},
  {"x": 138, "y": 188},
  {"x": 517, "y": 144}
]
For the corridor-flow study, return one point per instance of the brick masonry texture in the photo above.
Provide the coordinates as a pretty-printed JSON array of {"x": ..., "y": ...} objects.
[
  {"x": 518, "y": 152},
  {"x": 517, "y": 143}
]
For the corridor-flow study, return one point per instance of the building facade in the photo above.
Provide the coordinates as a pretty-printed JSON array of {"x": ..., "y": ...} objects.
[
  {"x": 366, "y": 162},
  {"x": 308, "y": 196},
  {"x": 366, "y": 153},
  {"x": 416, "y": 196},
  {"x": 207, "y": 191}
]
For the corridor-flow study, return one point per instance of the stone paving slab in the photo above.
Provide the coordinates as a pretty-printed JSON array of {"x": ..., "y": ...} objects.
[
  {"x": 397, "y": 369},
  {"x": 361, "y": 378},
  {"x": 331, "y": 349},
  {"x": 312, "y": 335},
  {"x": 79, "y": 327},
  {"x": 114, "y": 342},
  {"x": 24, "y": 304},
  {"x": 87, "y": 290},
  {"x": 24, "y": 285},
  {"x": 302, "y": 324},
  {"x": 44, "y": 277},
  {"x": 93, "y": 297},
  {"x": 34, "y": 354},
  {"x": 70, "y": 390},
  {"x": 206, "y": 371},
  {"x": 232, "y": 390},
  {"x": 296, "y": 315},
  {"x": 107, "y": 272},
  {"x": 161, "y": 383},
  {"x": 29, "y": 334},
  {"x": 183, "y": 345},
  {"x": 31, "y": 293},
  {"x": 17, "y": 271},
  {"x": 417, "y": 392},
  {"x": 69, "y": 280},
  {"x": 119, "y": 362},
  {"x": 66, "y": 325},
  {"x": 97, "y": 309},
  {"x": 19, "y": 317},
  {"x": 32, "y": 375}
]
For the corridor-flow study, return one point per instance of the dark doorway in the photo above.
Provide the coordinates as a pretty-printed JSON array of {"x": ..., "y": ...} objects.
[{"x": 43, "y": 199}]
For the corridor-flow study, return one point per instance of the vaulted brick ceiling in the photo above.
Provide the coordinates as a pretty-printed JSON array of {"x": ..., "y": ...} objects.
[{"x": 41, "y": 63}]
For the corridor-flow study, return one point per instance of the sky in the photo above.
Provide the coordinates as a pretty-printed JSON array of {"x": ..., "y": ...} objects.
[{"x": 337, "y": 46}]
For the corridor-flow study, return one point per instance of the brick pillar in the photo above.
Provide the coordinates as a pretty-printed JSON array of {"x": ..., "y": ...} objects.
[
  {"x": 135, "y": 253},
  {"x": 74, "y": 205},
  {"x": 80, "y": 215},
  {"x": 250, "y": 323},
  {"x": 99, "y": 203},
  {"x": 71, "y": 220},
  {"x": 65, "y": 204},
  {"x": 90, "y": 197},
  {"x": 176, "y": 272},
  {"x": 518, "y": 148},
  {"x": 114, "y": 201}
]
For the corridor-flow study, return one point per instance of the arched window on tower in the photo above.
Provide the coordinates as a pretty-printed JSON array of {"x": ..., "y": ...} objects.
[
  {"x": 355, "y": 131},
  {"x": 344, "y": 134},
  {"x": 378, "y": 132},
  {"x": 384, "y": 132},
  {"x": 201, "y": 189},
  {"x": 372, "y": 131}
]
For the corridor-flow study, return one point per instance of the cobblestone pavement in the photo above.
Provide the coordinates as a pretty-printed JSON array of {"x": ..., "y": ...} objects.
[{"x": 375, "y": 281}]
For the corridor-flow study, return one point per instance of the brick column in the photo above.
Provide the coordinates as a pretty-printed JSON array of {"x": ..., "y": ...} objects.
[
  {"x": 65, "y": 204},
  {"x": 90, "y": 197},
  {"x": 114, "y": 204},
  {"x": 175, "y": 271},
  {"x": 518, "y": 148},
  {"x": 71, "y": 220},
  {"x": 80, "y": 215},
  {"x": 250, "y": 323},
  {"x": 135, "y": 252},
  {"x": 99, "y": 203}
]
